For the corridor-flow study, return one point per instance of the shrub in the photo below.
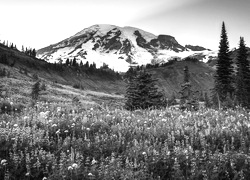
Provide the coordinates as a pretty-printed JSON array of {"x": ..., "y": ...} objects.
[
  {"x": 5, "y": 107},
  {"x": 78, "y": 86}
]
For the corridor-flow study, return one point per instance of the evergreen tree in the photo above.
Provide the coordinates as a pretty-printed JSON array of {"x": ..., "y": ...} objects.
[
  {"x": 188, "y": 96},
  {"x": 242, "y": 76},
  {"x": 67, "y": 62},
  {"x": 224, "y": 71},
  {"x": 33, "y": 53},
  {"x": 74, "y": 63},
  {"x": 35, "y": 90},
  {"x": 130, "y": 74},
  {"x": 142, "y": 93},
  {"x": 86, "y": 65},
  {"x": 81, "y": 64},
  {"x": 207, "y": 100},
  {"x": 94, "y": 65}
]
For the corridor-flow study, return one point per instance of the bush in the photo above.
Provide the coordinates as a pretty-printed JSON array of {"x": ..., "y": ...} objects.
[
  {"x": 8, "y": 108},
  {"x": 78, "y": 86},
  {"x": 5, "y": 107}
]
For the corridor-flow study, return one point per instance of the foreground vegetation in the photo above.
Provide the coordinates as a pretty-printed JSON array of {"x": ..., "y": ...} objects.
[{"x": 52, "y": 141}]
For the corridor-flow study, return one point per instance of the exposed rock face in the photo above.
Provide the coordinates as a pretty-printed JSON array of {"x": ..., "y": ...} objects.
[
  {"x": 167, "y": 42},
  {"x": 117, "y": 47},
  {"x": 195, "y": 48}
]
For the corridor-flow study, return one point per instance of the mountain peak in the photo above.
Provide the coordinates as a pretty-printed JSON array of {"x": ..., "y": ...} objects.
[{"x": 118, "y": 47}]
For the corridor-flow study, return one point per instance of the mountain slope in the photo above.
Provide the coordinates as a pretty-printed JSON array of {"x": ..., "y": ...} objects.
[
  {"x": 97, "y": 88},
  {"x": 118, "y": 47},
  {"x": 57, "y": 80},
  {"x": 170, "y": 78}
]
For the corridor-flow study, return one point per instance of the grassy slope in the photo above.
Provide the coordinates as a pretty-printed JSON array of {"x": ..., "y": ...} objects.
[
  {"x": 171, "y": 77},
  {"x": 18, "y": 85},
  {"x": 68, "y": 76},
  {"x": 170, "y": 80}
]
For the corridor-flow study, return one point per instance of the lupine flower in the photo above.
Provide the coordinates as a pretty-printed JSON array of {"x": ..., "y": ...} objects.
[
  {"x": 74, "y": 165},
  {"x": 90, "y": 174},
  {"x": 59, "y": 109},
  {"x": 93, "y": 161},
  {"x": 54, "y": 125},
  {"x": 3, "y": 162}
]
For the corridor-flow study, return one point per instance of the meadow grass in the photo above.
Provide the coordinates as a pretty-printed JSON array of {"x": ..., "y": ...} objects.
[{"x": 55, "y": 141}]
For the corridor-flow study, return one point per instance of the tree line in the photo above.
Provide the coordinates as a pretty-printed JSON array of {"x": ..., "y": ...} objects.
[
  {"x": 232, "y": 83},
  {"x": 28, "y": 51},
  {"x": 231, "y": 88}
]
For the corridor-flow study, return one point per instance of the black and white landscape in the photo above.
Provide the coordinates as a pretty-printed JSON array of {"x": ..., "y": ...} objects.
[{"x": 118, "y": 90}]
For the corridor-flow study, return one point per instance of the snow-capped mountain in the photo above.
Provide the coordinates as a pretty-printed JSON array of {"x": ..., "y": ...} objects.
[{"x": 119, "y": 47}]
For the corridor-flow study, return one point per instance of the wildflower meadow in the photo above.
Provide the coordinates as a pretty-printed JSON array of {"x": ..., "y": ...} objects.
[{"x": 58, "y": 142}]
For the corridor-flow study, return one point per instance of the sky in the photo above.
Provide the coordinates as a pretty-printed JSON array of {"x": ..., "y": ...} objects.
[{"x": 39, "y": 23}]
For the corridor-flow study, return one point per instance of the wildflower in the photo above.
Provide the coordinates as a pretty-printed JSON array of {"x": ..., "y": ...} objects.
[
  {"x": 27, "y": 174},
  {"x": 88, "y": 129},
  {"x": 70, "y": 168},
  {"x": 168, "y": 153},
  {"x": 93, "y": 161},
  {"x": 15, "y": 125},
  {"x": 66, "y": 131},
  {"x": 59, "y": 109},
  {"x": 164, "y": 120},
  {"x": 74, "y": 165},
  {"x": 90, "y": 174},
  {"x": 73, "y": 124},
  {"x": 54, "y": 125},
  {"x": 58, "y": 131},
  {"x": 3, "y": 162},
  {"x": 144, "y": 153},
  {"x": 25, "y": 118},
  {"x": 44, "y": 178}
]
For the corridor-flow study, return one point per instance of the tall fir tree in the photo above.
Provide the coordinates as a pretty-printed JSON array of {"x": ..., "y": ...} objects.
[
  {"x": 67, "y": 62},
  {"x": 35, "y": 90},
  {"x": 142, "y": 93},
  {"x": 189, "y": 99},
  {"x": 224, "y": 71},
  {"x": 242, "y": 76}
]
